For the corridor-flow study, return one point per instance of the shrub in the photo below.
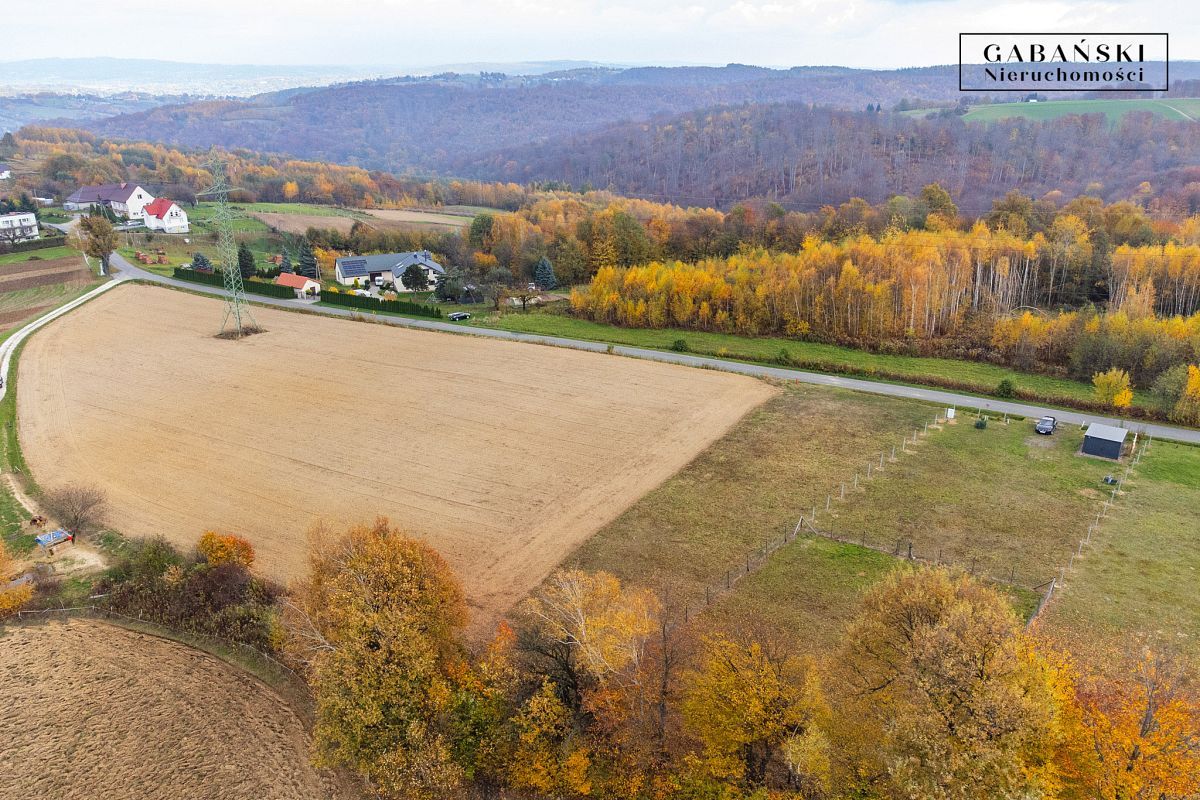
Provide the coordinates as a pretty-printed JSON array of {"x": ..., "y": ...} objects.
[
  {"x": 680, "y": 346},
  {"x": 981, "y": 423},
  {"x": 1006, "y": 388},
  {"x": 217, "y": 548}
]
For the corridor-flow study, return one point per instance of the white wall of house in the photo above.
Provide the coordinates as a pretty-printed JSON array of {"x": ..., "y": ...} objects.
[
  {"x": 20, "y": 227},
  {"x": 132, "y": 209},
  {"x": 431, "y": 276},
  {"x": 175, "y": 221}
]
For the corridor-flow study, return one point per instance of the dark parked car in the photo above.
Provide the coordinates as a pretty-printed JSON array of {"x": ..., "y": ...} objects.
[
  {"x": 1046, "y": 425},
  {"x": 458, "y": 316}
]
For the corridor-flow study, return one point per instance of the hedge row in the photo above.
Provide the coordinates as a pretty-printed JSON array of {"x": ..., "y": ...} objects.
[
  {"x": 217, "y": 279},
  {"x": 34, "y": 244},
  {"x": 375, "y": 304}
]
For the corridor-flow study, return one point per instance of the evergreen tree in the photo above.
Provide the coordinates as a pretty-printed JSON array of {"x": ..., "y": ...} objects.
[
  {"x": 246, "y": 262},
  {"x": 286, "y": 264},
  {"x": 8, "y": 145},
  {"x": 306, "y": 264},
  {"x": 414, "y": 278},
  {"x": 201, "y": 263},
  {"x": 543, "y": 275}
]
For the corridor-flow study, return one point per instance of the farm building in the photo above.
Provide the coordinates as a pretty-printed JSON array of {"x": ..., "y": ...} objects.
[
  {"x": 125, "y": 199},
  {"x": 18, "y": 227},
  {"x": 305, "y": 287},
  {"x": 1104, "y": 441},
  {"x": 385, "y": 268},
  {"x": 166, "y": 216}
]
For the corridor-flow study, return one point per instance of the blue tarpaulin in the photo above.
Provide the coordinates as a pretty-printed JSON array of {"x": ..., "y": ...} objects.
[{"x": 54, "y": 537}]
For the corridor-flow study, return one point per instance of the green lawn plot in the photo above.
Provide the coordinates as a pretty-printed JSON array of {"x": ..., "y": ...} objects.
[
  {"x": 1003, "y": 502},
  {"x": 261, "y": 243},
  {"x": 912, "y": 369},
  {"x": 748, "y": 489},
  {"x": 1174, "y": 109},
  {"x": 1139, "y": 581},
  {"x": 46, "y": 254}
]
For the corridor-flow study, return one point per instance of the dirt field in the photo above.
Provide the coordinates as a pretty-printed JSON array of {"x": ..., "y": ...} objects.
[
  {"x": 300, "y": 223},
  {"x": 92, "y": 710},
  {"x": 504, "y": 456},
  {"x": 30, "y": 274},
  {"x": 407, "y": 217}
]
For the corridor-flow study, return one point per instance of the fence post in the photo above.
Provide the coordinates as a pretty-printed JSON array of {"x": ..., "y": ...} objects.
[
  {"x": 869, "y": 465},
  {"x": 856, "y": 480},
  {"x": 910, "y": 551},
  {"x": 842, "y": 496},
  {"x": 1012, "y": 575},
  {"x": 828, "y": 499},
  {"x": 893, "y": 452},
  {"x": 707, "y": 597},
  {"x": 881, "y": 460}
]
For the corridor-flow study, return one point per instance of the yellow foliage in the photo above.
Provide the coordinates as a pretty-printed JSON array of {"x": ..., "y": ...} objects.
[
  {"x": 226, "y": 548},
  {"x": 1112, "y": 388},
  {"x": 11, "y": 600}
]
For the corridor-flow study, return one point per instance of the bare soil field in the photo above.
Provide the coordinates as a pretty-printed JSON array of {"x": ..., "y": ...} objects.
[
  {"x": 409, "y": 217},
  {"x": 504, "y": 456},
  {"x": 93, "y": 710},
  {"x": 299, "y": 223},
  {"x": 29, "y": 274}
]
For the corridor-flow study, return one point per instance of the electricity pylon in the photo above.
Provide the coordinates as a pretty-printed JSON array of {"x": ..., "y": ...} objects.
[{"x": 237, "y": 310}]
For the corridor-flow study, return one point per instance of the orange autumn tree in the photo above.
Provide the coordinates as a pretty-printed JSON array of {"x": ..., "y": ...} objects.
[
  {"x": 758, "y": 713},
  {"x": 375, "y": 626},
  {"x": 939, "y": 694},
  {"x": 590, "y": 636},
  {"x": 11, "y": 599},
  {"x": 1145, "y": 729},
  {"x": 225, "y": 548}
]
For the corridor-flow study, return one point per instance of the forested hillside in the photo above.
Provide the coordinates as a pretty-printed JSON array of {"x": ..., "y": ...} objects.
[
  {"x": 435, "y": 123},
  {"x": 805, "y": 157}
]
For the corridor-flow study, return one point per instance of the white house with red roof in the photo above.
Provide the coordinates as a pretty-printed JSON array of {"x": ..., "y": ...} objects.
[
  {"x": 165, "y": 215},
  {"x": 305, "y": 287},
  {"x": 125, "y": 199}
]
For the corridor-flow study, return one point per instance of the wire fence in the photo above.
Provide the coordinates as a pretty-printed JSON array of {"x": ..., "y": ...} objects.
[
  {"x": 821, "y": 521},
  {"x": 1059, "y": 582}
]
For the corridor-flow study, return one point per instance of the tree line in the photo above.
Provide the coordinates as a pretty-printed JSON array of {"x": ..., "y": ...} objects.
[{"x": 597, "y": 689}]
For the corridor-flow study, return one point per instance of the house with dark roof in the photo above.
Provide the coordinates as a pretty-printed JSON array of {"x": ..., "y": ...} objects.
[
  {"x": 385, "y": 268},
  {"x": 165, "y": 215},
  {"x": 125, "y": 199}
]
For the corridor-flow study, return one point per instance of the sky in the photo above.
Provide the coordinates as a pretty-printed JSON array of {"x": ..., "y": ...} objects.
[{"x": 857, "y": 33}]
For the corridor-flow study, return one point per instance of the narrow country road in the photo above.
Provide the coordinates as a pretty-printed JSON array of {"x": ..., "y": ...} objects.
[
  {"x": 949, "y": 399},
  {"x": 10, "y": 345}
]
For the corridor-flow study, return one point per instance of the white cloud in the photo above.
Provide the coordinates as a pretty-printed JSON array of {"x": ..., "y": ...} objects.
[{"x": 866, "y": 33}]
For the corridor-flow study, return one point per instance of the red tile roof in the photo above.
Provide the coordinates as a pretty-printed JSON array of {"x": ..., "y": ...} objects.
[
  {"x": 293, "y": 280},
  {"x": 159, "y": 208}
]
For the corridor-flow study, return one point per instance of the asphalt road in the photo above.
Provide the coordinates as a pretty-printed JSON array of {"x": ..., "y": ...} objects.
[{"x": 948, "y": 399}]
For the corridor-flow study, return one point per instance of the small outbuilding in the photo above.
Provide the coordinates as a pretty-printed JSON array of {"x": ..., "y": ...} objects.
[
  {"x": 1104, "y": 441},
  {"x": 304, "y": 287}
]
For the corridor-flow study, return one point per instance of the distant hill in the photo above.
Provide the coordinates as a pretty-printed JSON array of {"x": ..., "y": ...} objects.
[
  {"x": 430, "y": 123},
  {"x": 805, "y": 157},
  {"x": 102, "y": 76}
]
